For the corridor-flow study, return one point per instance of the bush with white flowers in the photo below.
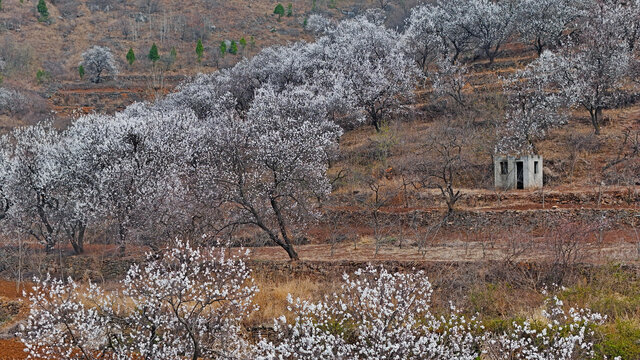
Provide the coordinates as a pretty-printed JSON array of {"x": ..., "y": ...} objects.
[
  {"x": 185, "y": 304},
  {"x": 565, "y": 336},
  {"x": 377, "y": 315}
]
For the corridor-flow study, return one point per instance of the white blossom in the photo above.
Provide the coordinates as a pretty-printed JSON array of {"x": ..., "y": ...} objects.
[
  {"x": 377, "y": 315},
  {"x": 184, "y": 303},
  {"x": 97, "y": 60}
]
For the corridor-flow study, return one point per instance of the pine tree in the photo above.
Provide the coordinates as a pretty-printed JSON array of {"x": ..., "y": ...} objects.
[
  {"x": 81, "y": 72},
  {"x": 279, "y": 10},
  {"x": 223, "y": 48},
  {"x": 290, "y": 10},
  {"x": 199, "y": 50},
  {"x": 43, "y": 10},
  {"x": 243, "y": 43},
  {"x": 153, "y": 53},
  {"x": 233, "y": 49},
  {"x": 131, "y": 56}
]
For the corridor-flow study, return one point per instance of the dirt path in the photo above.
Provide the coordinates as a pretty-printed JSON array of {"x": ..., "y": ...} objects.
[{"x": 616, "y": 247}]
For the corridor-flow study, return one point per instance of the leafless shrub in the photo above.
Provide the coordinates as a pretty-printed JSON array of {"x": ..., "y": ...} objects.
[
  {"x": 17, "y": 57},
  {"x": 149, "y": 6},
  {"x": 380, "y": 197},
  {"x": 54, "y": 68},
  {"x": 104, "y": 5},
  {"x": 577, "y": 145},
  {"x": 570, "y": 244},
  {"x": 67, "y": 8},
  {"x": 625, "y": 168},
  {"x": 445, "y": 162}
]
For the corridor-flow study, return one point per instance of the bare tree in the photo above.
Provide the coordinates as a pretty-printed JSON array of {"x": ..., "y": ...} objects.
[
  {"x": 380, "y": 196},
  {"x": 443, "y": 163}
]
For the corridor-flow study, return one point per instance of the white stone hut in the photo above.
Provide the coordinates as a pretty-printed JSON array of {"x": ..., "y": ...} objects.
[{"x": 513, "y": 172}]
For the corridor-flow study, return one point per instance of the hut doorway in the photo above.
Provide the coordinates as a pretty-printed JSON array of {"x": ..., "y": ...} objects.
[{"x": 520, "y": 175}]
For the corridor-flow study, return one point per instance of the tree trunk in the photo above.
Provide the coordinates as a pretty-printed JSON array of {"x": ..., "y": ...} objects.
[
  {"x": 122, "y": 232},
  {"x": 50, "y": 244},
  {"x": 286, "y": 243},
  {"x": 293, "y": 255},
  {"x": 375, "y": 122},
  {"x": 539, "y": 46},
  {"x": 596, "y": 114},
  {"x": 78, "y": 241}
]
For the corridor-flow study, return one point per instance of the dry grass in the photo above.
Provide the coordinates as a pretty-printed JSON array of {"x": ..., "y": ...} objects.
[{"x": 272, "y": 297}]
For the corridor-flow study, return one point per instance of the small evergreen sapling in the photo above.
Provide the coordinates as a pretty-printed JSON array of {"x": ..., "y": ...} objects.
[
  {"x": 223, "y": 48},
  {"x": 42, "y": 10},
  {"x": 81, "y": 72},
  {"x": 131, "y": 57},
  {"x": 279, "y": 10},
  {"x": 290, "y": 10},
  {"x": 233, "y": 48},
  {"x": 199, "y": 50},
  {"x": 153, "y": 53}
]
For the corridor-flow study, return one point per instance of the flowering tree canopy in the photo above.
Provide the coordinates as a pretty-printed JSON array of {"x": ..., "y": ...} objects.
[{"x": 97, "y": 60}]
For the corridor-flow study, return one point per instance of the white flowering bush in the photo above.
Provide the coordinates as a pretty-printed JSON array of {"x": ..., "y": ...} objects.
[
  {"x": 565, "y": 336},
  {"x": 12, "y": 101},
  {"x": 377, "y": 315},
  {"x": 65, "y": 322},
  {"x": 188, "y": 303}
]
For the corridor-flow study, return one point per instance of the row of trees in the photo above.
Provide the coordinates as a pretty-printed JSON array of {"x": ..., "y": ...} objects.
[
  {"x": 593, "y": 63},
  {"x": 469, "y": 29},
  {"x": 190, "y": 303},
  {"x": 595, "y": 70},
  {"x": 98, "y": 59},
  {"x": 251, "y": 143}
]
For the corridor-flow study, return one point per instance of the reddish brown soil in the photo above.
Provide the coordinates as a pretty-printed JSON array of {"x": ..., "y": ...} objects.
[
  {"x": 11, "y": 350},
  {"x": 8, "y": 289}
]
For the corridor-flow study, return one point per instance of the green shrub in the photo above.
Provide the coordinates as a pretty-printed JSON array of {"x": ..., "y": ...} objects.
[
  {"x": 621, "y": 338},
  {"x": 199, "y": 50},
  {"x": 279, "y": 10},
  {"x": 154, "y": 55},
  {"x": 131, "y": 57},
  {"x": 42, "y": 10},
  {"x": 42, "y": 76},
  {"x": 223, "y": 48}
]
